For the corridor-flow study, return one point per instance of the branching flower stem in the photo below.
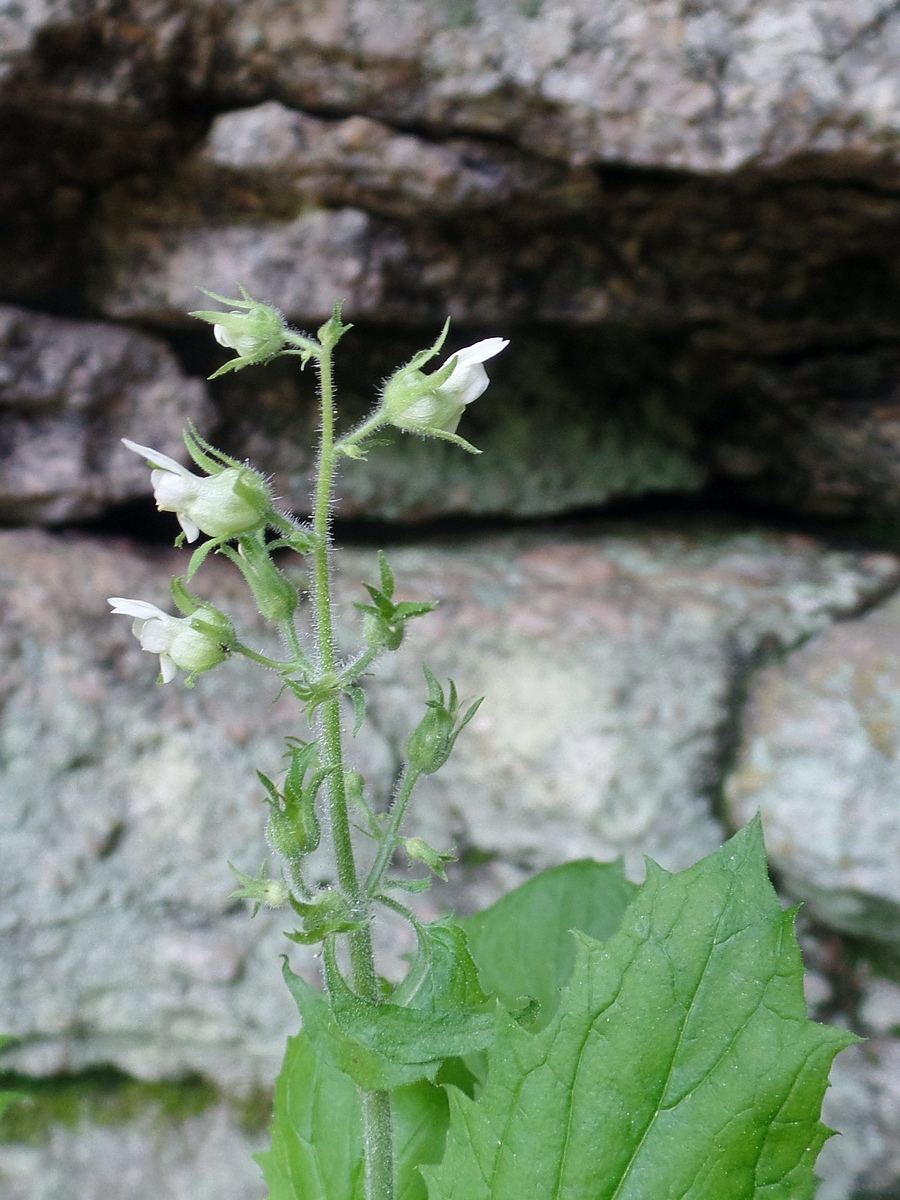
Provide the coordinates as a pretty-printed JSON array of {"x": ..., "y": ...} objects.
[
  {"x": 407, "y": 782},
  {"x": 376, "y": 1105}
]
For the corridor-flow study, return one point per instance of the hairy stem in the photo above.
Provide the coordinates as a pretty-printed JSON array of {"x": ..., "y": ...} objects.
[{"x": 376, "y": 1105}]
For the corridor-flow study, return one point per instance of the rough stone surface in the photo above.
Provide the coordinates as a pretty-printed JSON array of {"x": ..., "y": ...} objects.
[
  {"x": 819, "y": 758},
  {"x": 863, "y": 1105},
  {"x": 489, "y": 160},
  {"x": 206, "y": 1157},
  {"x": 610, "y": 664},
  {"x": 69, "y": 390},
  {"x": 705, "y": 87},
  {"x": 762, "y": 265},
  {"x": 612, "y": 670},
  {"x": 277, "y": 157}
]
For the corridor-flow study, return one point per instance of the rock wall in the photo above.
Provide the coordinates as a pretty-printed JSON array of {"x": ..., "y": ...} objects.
[{"x": 685, "y": 216}]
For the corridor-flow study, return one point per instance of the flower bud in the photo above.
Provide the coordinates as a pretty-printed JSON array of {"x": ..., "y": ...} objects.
[
  {"x": 273, "y": 893},
  {"x": 381, "y": 634},
  {"x": 256, "y": 331},
  {"x": 418, "y": 850},
  {"x": 293, "y": 827},
  {"x": 430, "y": 743},
  {"x": 276, "y": 597}
]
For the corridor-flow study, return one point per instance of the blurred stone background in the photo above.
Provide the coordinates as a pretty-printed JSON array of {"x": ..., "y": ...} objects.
[{"x": 674, "y": 571}]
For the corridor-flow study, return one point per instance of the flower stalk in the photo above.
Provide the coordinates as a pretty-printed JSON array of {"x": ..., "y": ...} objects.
[{"x": 233, "y": 506}]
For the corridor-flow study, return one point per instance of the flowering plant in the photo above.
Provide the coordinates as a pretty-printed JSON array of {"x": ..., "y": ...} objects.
[{"x": 583, "y": 1038}]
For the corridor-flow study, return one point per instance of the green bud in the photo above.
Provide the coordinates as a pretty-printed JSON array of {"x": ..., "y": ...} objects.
[
  {"x": 276, "y": 597},
  {"x": 256, "y": 331},
  {"x": 381, "y": 634},
  {"x": 273, "y": 893},
  {"x": 419, "y": 851},
  {"x": 429, "y": 745},
  {"x": 293, "y": 828}
]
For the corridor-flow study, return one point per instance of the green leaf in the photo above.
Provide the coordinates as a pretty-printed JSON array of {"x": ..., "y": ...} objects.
[
  {"x": 441, "y": 1026},
  {"x": 421, "y": 1115},
  {"x": 521, "y": 944},
  {"x": 443, "y": 976},
  {"x": 390, "y": 1044},
  {"x": 680, "y": 1066},
  {"x": 370, "y": 1068},
  {"x": 317, "y": 1131}
]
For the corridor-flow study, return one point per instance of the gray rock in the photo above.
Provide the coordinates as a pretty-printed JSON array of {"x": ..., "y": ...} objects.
[
  {"x": 611, "y": 665},
  {"x": 707, "y": 88},
  {"x": 205, "y": 1157},
  {"x": 280, "y": 158},
  {"x": 612, "y": 669},
  {"x": 754, "y": 266},
  {"x": 69, "y": 390},
  {"x": 819, "y": 759},
  {"x": 863, "y": 1106}
]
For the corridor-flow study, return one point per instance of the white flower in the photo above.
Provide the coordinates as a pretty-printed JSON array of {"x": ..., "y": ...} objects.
[
  {"x": 468, "y": 379},
  {"x": 217, "y": 505},
  {"x": 412, "y": 400},
  {"x": 178, "y": 643}
]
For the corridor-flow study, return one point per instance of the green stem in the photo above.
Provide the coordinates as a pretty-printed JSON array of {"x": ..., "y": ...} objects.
[
  {"x": 293, "y": 640},
  {"x": 378, "y": 1136},
  {"x": 408, "y": 781},
  {"x": 240, "y": 648},
  {"x": 359, "y": 666},
  {"x": 355, "y": 436},
  {"x": 376, "y": 1105}
]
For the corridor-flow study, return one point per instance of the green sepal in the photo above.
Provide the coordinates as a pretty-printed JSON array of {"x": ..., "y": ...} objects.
[
  {"x": 233, "y": 364},
  {"x": 199, "y": 557},
  {"x": 447, "y": 437},
  {"x": 204, "y": 454},
  {"x": 388, "y": 583},
  {"x": 334, "y": 328},
  {"x": 324, "y": 915},
  {"x": 185, "y": 601},
  {"x": 358, "y": 696},
  {"x": 419, "y": 360},
  {"x": 407, "y": 609}
]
